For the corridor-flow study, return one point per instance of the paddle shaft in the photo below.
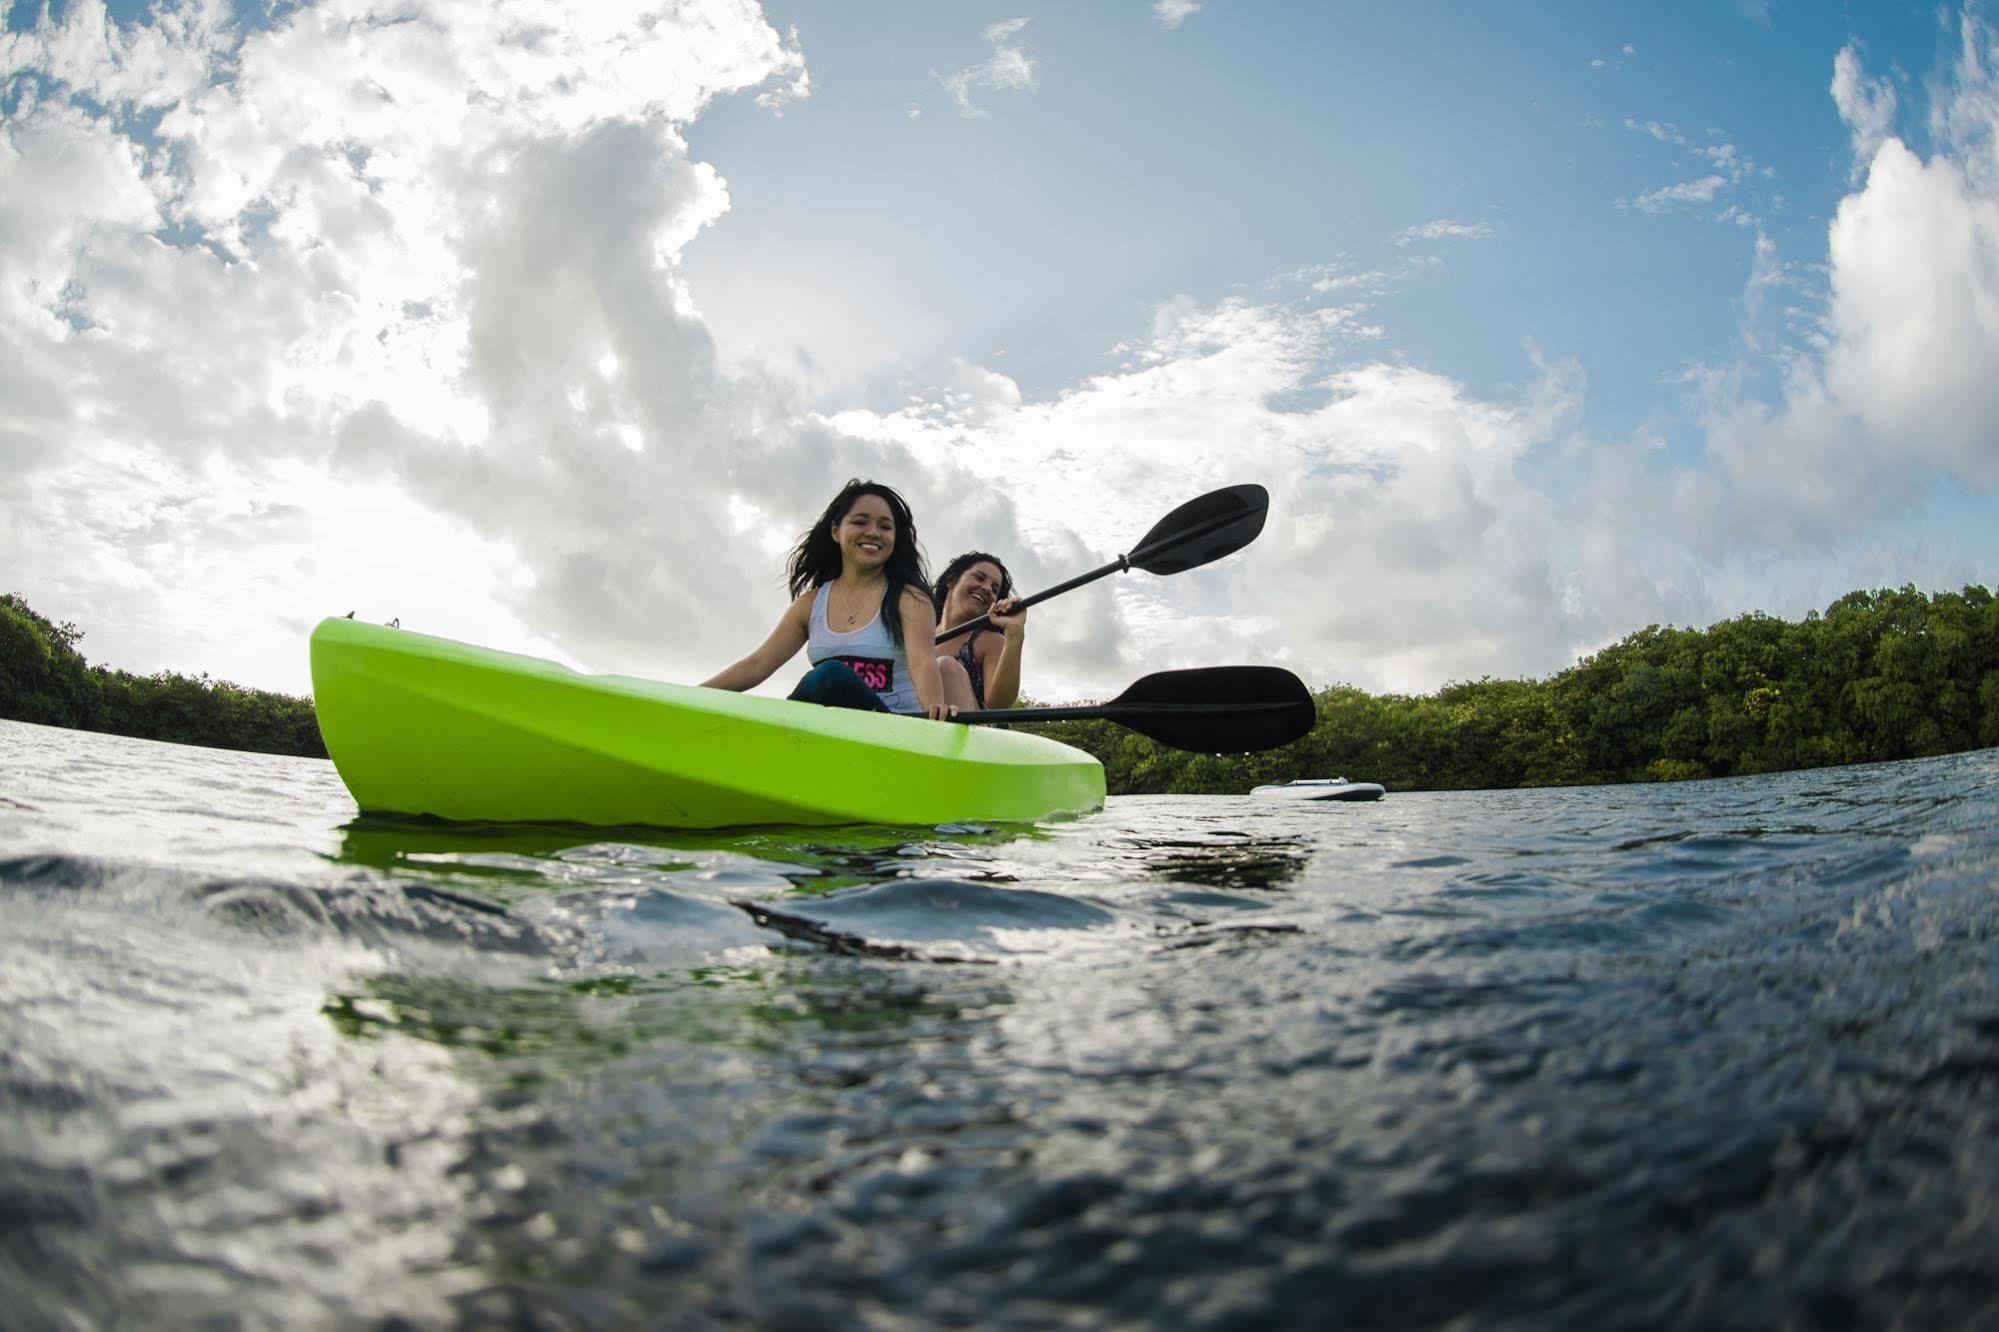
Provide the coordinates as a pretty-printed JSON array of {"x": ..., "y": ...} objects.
[
  {"x": 985, "y": 621},
  {"x": 1114, "y": 711},
  {"x": 1118, "y": 565}
]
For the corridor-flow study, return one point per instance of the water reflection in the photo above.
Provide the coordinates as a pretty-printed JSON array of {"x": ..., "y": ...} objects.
[
  {"x": 552, "y": 1028},
  {"x": 1251, "y": 863},
  {"x": 690, "y": 1127},
  {"x": 515, "y": 856}
]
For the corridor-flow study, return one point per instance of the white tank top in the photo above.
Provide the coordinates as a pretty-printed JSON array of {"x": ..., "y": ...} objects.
[{"x": 880, "y": 662}]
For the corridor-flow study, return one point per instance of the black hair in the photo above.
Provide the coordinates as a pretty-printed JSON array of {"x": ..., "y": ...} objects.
[
  {"x": 816, "y": 557},
  {"x": 956, "y": 570}
]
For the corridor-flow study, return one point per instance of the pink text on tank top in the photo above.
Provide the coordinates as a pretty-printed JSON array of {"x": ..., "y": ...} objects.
[{"x": 875, "y": 673}]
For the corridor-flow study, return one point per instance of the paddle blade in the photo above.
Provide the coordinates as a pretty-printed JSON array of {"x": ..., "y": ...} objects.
[
  {"x": 1217, "y": 709},
  {"x": 1219, "y": 523}
]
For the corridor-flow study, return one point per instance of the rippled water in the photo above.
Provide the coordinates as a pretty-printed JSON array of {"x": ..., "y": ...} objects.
[{"x": 1718, "y": 1053}]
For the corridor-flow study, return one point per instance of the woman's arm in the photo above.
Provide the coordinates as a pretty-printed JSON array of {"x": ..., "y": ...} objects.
[
  {"x": 919, "y": 627},
  {"x": 793, "y": 627},
  {"x": 1001, "y": 662}
]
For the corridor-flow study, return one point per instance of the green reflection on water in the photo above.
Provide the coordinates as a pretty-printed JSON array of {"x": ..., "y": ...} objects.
[
  {"x": 557, "y": 1027},
  {"x": 510, "y": 860}
]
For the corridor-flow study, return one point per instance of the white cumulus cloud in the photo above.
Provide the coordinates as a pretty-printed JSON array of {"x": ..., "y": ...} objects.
[
  {"x": 1008, "y": 69},
  {"x": 1700, "y": 191},
  {"x": 1897, "y": 388},
  {"x": 1866, "y": 105},
  {"x": 1393, "y": 489},
  {"x": 1444, "y": 228},
  {"x": 386, "y": 294}
]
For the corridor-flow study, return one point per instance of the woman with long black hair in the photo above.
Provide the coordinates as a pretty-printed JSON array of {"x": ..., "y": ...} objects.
[
  {"x": 860, "y": 597},
  {"x": 984, "y": 670}
]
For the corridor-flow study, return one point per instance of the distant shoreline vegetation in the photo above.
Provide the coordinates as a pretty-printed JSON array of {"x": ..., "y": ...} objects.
[
  {"x": 43, "y": 678},
  {"x": 1879, "y": 676},
  {"x": 1883, "y": 675}
]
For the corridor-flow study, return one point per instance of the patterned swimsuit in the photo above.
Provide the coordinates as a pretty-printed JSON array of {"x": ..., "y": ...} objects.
[{"x": 970, "y": 661}]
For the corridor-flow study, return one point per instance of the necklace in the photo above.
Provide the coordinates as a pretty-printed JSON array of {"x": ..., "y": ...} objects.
[{"x": 852, "y": 615}]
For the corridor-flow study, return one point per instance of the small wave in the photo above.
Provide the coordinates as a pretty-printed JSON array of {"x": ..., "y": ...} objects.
[
  {"x": 647, "y": 931},
  {"x": 363, "y": 908},
  {"x": 371, "y": 913},
  {"x": 1204, "y": 904},
  {"x": 911, "y": 918},
  {"x": 1430, "y": 862},
  {"x": 56, "y": 872}
]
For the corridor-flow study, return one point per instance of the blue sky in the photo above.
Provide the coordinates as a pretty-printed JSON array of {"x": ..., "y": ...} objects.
[
  {"x": 1544, "y": 321},
  {"x": 1257, "y": 141}
]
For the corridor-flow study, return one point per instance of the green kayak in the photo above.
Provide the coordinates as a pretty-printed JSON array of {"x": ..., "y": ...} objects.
[{"x": 421, "y": 725}]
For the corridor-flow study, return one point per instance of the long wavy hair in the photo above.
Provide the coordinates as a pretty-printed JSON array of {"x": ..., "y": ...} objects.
[
  {"x": 816, "y": 557},
  {"x": 956, "y": 570}
]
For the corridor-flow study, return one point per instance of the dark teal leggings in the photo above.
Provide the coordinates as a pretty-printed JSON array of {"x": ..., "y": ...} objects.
[{"x": 833, "y": 684}]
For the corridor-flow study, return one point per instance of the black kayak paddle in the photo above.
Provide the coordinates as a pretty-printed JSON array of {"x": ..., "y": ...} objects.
[
  {"x": 1202, "y": 530},
  {"x": 1212, "y": 710}
]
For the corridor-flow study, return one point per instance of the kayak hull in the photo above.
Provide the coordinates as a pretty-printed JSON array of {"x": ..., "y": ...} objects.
[
  {"x": 418, "y": 725},
  {"x": 1323, "y": 790}
]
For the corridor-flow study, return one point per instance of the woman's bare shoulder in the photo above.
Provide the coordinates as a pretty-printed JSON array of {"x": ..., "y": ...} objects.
[{"x": 800, "y": 608}]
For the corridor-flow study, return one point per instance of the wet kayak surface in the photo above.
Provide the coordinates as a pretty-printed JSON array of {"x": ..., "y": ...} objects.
[{"x": 1701, "y": 1054}]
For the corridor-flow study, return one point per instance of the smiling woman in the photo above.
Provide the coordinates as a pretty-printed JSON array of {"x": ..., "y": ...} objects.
[
  {"x": 858, "y": 599},
  {"x": 984, "y": 672}
]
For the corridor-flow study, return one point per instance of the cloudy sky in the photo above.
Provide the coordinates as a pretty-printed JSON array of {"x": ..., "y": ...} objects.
[{"x": 548, "y": 324}]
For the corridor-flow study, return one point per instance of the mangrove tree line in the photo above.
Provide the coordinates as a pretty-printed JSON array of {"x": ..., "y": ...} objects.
[
  {"x": 1880, "y": 675},
  {"x": 43, "y": 678}
]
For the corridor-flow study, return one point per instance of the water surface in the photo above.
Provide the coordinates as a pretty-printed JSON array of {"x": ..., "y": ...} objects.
[{"x": 1719, "y": 1053}]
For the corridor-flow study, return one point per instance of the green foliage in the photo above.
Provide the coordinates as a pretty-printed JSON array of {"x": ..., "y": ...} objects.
[
  {"x": 43, "y": 678},
  {"x": 1880, "y": 675}
]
